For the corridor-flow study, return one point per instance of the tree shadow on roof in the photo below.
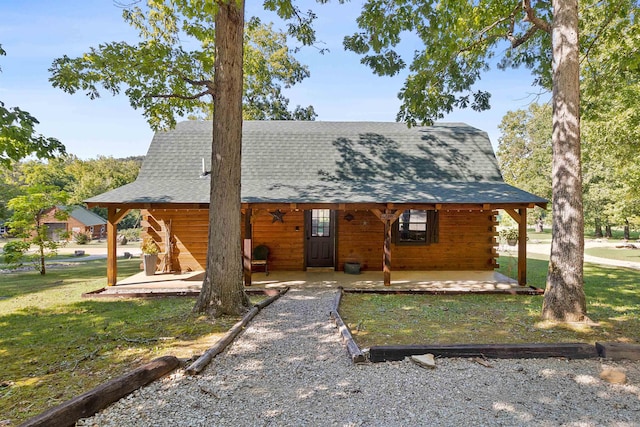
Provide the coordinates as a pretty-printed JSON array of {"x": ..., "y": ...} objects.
[{"x": 375, "y": 157}]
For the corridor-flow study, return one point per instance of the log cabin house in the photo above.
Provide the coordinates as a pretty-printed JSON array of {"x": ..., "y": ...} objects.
[{"x": 324, "y": 194}]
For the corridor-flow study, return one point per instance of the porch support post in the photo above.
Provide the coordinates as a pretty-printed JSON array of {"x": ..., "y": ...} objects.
[
  {"x": 114, "y": 216},
  {"x": 522, "y": 248},
  {"x": 247, "y": 247},
  {"x": 388, "y": 218},
  {"x": 386, "y": 254}
]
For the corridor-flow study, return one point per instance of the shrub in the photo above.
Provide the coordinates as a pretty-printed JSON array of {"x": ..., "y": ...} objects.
[
  {"x": 81, "y": 238},
  {"x": 14, "y": 252}
]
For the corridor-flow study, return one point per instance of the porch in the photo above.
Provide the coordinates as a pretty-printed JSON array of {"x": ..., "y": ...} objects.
[{"x": 440, "y": 282}]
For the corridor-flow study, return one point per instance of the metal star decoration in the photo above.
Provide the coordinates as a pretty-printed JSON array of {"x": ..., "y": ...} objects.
[{"x": 277, "y": 216}]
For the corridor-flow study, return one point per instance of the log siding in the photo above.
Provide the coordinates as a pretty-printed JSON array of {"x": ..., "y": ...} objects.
[{"x": 466, "y": 240}]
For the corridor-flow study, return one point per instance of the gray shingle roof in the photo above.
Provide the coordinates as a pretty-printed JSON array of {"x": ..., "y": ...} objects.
[
  {"x": 328, "y": 162},
  {"x": 86, "y": 217}
]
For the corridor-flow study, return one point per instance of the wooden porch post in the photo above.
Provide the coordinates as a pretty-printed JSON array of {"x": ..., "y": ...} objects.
[
  {"x": 247, "y": 249},
  {"x": 112, "y": 255},
  {"x": 522, "y": 247},
  {"x": 386, "y": 253},
  {"x": 388, "y": 218},
  {"x": 113, "y": 218}
]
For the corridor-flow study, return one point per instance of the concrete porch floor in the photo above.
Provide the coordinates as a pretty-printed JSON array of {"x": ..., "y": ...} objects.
[{"x": 435, "y": 281}]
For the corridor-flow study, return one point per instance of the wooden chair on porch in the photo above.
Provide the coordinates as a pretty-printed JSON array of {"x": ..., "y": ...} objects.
[{"x": 261, "y": 258}]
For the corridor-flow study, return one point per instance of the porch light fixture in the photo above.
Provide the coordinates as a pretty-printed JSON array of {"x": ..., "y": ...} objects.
[{"x": 348, "y": 217}]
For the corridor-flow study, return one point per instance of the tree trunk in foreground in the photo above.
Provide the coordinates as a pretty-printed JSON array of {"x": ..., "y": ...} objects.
[
  {"x": 222, "y": 289},
  {"x": 564, "y": 298}
]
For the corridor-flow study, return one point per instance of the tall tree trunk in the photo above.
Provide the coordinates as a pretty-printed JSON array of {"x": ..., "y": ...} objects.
[
  {"x": 627, "y": 234},
  {"x": 43, "y": 270},
  {"x": 598, "y": 233},
  {"x": 564, "y": 298},
  {"x": 222, "y": 289},
  {"x": 607, "y": 231}
]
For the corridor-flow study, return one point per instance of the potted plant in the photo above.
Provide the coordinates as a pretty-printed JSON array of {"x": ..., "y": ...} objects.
[
  {"x": 149, "y": 255},
  {"x": 510, "y": 235}
]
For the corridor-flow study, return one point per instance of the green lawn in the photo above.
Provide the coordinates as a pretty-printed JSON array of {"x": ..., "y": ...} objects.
[
  {"x": 613, "y": 298},
  {"x": 632, "y": 255},
  {"x": 55, "y": 344}
]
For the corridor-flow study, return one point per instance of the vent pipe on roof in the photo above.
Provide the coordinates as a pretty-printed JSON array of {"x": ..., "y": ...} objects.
[{"x": 204, "y": 171}]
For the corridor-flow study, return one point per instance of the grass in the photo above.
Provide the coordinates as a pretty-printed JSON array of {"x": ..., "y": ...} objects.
[
  {"x": 632, "y": 255},
  {"x": 56, "y": 345},
  {"x": 613, "y": 298}
]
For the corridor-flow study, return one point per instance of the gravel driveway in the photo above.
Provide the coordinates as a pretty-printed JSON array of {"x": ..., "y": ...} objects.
[{"x": 289, "y": 368}]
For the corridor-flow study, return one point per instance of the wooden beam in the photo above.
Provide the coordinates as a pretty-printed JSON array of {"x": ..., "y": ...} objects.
[
  {"x": 168, "y": 206},
  {"x": 522, "y": 248},
  {"x": 513, "y": 214},
  {"x": 386, "y": 253},
  {"x": 120, "y": 214},
  {"x": 246, "y": 261},
  {"x": 494, "y": 351},
  {"x": 112, "y": 252},
  {"x": 114, "y": 216},
  {"x": 247, "y": 246},
  {"x": 387, "y": 215},
  {"x": 87, "y": 404}
]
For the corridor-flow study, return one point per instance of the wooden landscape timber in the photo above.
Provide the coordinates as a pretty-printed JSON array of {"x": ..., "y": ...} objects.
[
  {"x": 610, "y": 350},
  {"x": 204, "y": 360},
  {"x": 618, "y": 350},
  {"x": 356, "y": 355},
  {"x": 87, "y": 404},
  {"x": 529, "y": 290},
  {"x": 142, "y": 293},
  {"x": 491, "y": 351}
]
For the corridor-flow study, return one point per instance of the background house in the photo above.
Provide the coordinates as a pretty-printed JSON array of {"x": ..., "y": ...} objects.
[
  {"x": 321, "y": 194},
  {"x": 79, "y": 220}
]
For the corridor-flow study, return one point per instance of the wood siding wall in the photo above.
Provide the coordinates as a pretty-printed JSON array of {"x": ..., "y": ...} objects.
[
  {"x": 360, "y": 240},
  {"x": 286, "y": 245},
  {"x": 467, "y": 240},
  {"x": 190, "y": 232}
]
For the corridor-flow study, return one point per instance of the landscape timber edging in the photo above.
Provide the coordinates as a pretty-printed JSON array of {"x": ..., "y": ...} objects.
[
  {"x": 204, "y": 360},
  {"x": 87, "y": 404},
  {"x": 100, "y": 293},
  {"x": 608, "y": 350},
  {"x": 91, "y": 402},
  {"x": 356, "y": 355}
]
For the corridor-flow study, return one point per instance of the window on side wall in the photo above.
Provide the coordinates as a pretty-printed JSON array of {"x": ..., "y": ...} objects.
[{"x": 416, "y": 227}]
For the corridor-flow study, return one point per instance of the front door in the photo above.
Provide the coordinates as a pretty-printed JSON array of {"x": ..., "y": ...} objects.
[{"x": 320, "y": 229}]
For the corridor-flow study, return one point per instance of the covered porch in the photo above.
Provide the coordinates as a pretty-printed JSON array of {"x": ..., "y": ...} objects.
[{"x": 437, "y": 282}]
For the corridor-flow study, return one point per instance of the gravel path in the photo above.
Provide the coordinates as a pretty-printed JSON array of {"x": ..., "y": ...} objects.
[{"x": 289, "y": 368}]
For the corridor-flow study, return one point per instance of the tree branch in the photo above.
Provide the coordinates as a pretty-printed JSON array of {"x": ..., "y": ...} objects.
[
  {"x": 515, "y": 42},
  {"x": 531, "y": 17},
  {"x": 481, "y": 35},
  {"x": 177, "y": 95},
  {"x": 207, "y": 83}
]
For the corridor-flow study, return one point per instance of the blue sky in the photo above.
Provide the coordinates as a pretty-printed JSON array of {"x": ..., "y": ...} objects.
[{"x": 35, "y": 32}]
